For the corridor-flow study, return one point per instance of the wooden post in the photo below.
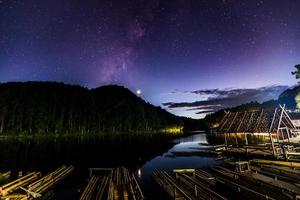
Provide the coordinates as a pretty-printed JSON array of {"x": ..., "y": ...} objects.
[
  {"x": 289, "y": 120},
  {"x": 232, "y": 124},
  {"x": 246, "y": 139},
  {"x": 238, "y": 128},
  {"x": 280, "y": 119},
  {"x": 270, "y": 133},
  {"x": 194, "y": 174},
  {"x": 288, "y": 134},
  {"x": 282, "y": 134},
  {"x": 175, "y": 193}
]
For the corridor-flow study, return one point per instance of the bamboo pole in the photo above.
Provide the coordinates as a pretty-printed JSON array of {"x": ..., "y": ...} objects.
[
  {"x": 276, "y": 162},
  {"x": 52, "y": 180},
  {"x": 270, "y": 132},
  {"x": 5, "y": 176},
  {"x": 102, "y": 188},
  {"x": 87, "y": 191},
  {"x": 23, "y": 181},
  {"x": 37, "y": 188}
]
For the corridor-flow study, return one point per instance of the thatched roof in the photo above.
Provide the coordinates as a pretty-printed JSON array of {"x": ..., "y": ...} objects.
[{"x": 262, "y": 121}]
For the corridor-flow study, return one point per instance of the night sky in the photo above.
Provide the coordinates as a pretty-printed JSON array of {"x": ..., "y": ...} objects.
[{"x": 190, "y": 57}]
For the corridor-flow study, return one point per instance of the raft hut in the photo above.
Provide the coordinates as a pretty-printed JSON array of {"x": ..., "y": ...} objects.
[{"x": 275, "y": 124}]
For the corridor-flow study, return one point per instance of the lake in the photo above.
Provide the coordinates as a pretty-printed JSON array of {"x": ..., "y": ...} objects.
[{"x": 142, "y": 155}]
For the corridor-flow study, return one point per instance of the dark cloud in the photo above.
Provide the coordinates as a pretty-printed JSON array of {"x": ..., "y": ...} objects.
[
  {"x": 204, "y": 112},
  {"x": 208, "y": 107},
  {"x": 258, "y": 94},
  {"x": 218, "y": 99}
]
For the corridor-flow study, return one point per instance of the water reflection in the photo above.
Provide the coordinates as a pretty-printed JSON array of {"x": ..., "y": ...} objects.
[
  {"x": 46, "y": 154},
  {"x": 201, "y": 137},
  {"x": 140, "y": 154},
  {"x": 241, "y": 139},
  {"x": 176, "y": 158}
]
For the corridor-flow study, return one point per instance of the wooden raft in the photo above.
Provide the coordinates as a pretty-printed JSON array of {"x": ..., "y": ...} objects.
[
  {"x": 189, "y": 184},
  {"x": 116, "y": 184},
  {"x": 32, "y": 185}
]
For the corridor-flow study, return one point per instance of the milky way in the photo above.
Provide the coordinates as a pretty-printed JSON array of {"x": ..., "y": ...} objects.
[{"x": 154, "y": 46}]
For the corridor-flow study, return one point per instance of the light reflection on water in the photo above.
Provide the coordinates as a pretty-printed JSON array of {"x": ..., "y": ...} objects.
[
  {"x": 190, "y": 143},
  {"x": 199, "y": 138},
  {"x": 169, "y": 161},
  {"x": 140, "y": 154}
]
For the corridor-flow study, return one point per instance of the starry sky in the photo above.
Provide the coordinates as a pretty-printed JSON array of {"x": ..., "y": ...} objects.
[{"x": 172, "y": 53}]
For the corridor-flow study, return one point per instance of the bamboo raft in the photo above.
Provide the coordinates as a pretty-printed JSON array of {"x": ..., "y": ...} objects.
[
  {"x": 96, "y": 188},
  {"x": 32, "y": 185},
  {"x": 277, "y": 163},
  {"x": 270, "y": 183},
  {"x": 4, "y": 176},
  {"x": 116, "y": 184},
  {"x": 255, "y": 150},
  {"x": 238, "y": 180},
  {"x": 189, "y": 184},
  {"x": 171, "y": 186},
  {"x": 17, "y": 184}
]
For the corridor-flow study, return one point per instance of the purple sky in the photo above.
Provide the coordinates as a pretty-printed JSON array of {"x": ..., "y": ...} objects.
[{"x": 164, "y": 48}]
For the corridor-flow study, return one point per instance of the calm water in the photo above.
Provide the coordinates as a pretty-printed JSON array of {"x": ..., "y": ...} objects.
[
  {"x": 142, "y": 155},
  {"x": 169, "y": 160}
]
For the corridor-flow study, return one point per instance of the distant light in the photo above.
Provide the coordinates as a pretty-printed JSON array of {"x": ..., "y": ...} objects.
[
  {"x": 139, "y": 173},
  {"x": 297, "y": 99},
  {"x": 138, "y": 92}
]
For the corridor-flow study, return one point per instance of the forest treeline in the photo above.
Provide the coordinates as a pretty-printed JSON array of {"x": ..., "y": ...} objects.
[{"x": 51, "y": 107}]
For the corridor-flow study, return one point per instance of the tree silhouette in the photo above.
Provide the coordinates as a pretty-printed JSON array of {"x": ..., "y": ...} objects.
[
  {"x": 57, "y": 108},
  {"x": 297, "y": 72}
]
